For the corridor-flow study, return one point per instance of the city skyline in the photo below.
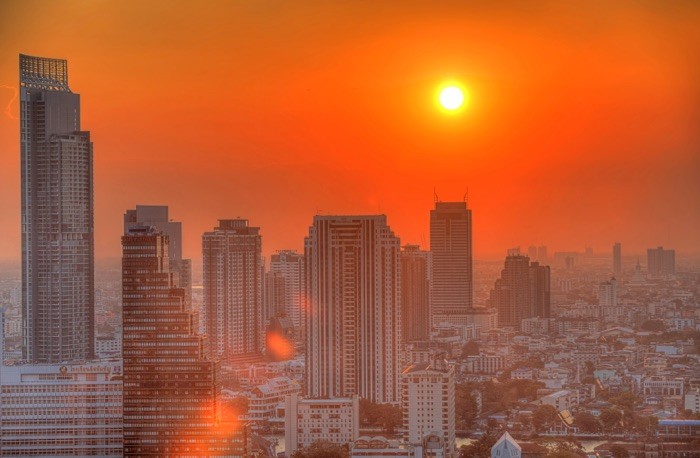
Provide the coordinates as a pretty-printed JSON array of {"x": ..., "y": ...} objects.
[{"x": 573, "y": 171}]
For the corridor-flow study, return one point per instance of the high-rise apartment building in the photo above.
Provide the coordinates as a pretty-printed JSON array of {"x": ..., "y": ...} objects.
[
  {"x": 233, "y": 290},
  {"x": 617, "y": 258},
  {"x": 353, "y": 308},
  {"x": 157, "y": 216},
  {"x": 451, "y": 251},
  {"x": 289, "y": 265},
  {"x": 522, "y": 291},
  {"x": 415, "y": 294},
  {"x": 57, "y": 216},
  {"x": 660, "y": 262},
  {"x": 172, "y": 403},
  {"x": 428, "y": 402}
]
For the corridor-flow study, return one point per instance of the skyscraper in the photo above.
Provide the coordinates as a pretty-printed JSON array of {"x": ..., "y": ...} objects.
[
  {"x": 522, "y": 291},
  {"x": 451, "y": 250},
  {"x": 661, "y": 262},
  {"x": 415, "y": 294},
  {"x": 157, "y": 216},
  {"x": 290, "y": 266},
  {"x": 353, "y": 309},
  {"x": 172, "y": 404},
  {"x": 57, "y": 216},
  {"x": 233, "y": 289},
  {"x": 617, "y": 258}
]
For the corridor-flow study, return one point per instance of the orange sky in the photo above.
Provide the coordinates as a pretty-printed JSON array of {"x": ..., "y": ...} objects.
[{"x": 583, "y": 127}]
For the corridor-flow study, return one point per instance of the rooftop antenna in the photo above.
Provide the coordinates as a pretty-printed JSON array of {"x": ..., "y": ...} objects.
[
  {"x": 466, "y": 195},
  {"x": 435, "y": 196}
]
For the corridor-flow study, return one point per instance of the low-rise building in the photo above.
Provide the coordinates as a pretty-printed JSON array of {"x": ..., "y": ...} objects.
[{"x": 336, "y": 420}]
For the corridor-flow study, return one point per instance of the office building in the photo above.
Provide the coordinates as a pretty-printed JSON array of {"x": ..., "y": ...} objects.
[
  {"x": 451, "y": 251},
  {"x": 353, "y": 308},
  {"x": 415, "y": 294},
  {"x": 428, "y": 402},
  {"x": 617, "y": 258},
  {"x": 336, "y": 420},
  {"x": 233, "y": 290},
  {"x": 522, "y": 291},
  {"x": 172, "y": 402},
  {"x": 61, "y": 410},
  {"x": 57, "y": 217},
  {"x": 660, "y": 262}
]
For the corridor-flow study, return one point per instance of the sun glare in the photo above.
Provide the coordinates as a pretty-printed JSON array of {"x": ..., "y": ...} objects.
[{"x": 451, "y": 98}]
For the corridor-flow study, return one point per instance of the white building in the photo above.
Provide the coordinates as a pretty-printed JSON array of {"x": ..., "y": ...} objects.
[
  {"x": 662, "y": 386},
  {"x": 61, "y": 410},
  {"x": 506, "y": 447},
  {"x": 428, "y": 401},
  {"x": 336, "y": 420},
  {"x": 561, "y": 400},
  {"x": 265, "y": 401},
  {"x": 692, "y": 401},
  {"x": 484, "y": 363}
]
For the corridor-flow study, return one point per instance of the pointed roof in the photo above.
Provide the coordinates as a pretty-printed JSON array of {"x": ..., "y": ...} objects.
[{"x": 506, "y": 447}]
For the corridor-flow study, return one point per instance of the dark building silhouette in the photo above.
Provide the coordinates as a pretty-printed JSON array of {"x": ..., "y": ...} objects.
[
  {"x": 172, "y": 402},
  {"x": 661, "y": 262},
  {"x": 57, "y": 216},
  {"x": 617, "y": 258},
  {"x": 522, "y": 291},
  {"x": 451, "y": 251}
]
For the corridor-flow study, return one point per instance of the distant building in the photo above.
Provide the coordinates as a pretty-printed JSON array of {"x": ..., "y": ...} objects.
[
  {"x": 506, "y": 447},
  {"x": 336, "y": 420},
  {"x": 58, "y": 279},
  {"x": 233, "y": 290},
  {"x": 607, "y": 300},
  {"x": 692, "y": 401},
  {"x": 522, "y": 291},
  {"x": 415, "y": 294},
  {"x": 617, "y": 258},
  {"x": 353, "y": 308},
  {"x": 660, "y": 262},
  {"x": 451, "y": 250},
  {"x": 428, "y": 402},
  {"x": 157, "y": 216},
  {"x": 542, "y": 254},
  {"x": 289, "y": 265},
  {"x": 381, "y": 447}
]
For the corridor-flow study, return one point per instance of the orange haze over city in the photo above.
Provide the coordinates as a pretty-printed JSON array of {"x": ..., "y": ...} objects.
[{"x": 582, "y": 126}]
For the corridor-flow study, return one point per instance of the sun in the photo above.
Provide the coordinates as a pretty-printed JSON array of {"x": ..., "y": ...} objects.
[{"x": 451, "y": 98}]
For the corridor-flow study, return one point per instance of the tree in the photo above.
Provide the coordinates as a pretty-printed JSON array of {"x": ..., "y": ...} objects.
[
  {"x": 545, "y": 415},
  {"x": 466, "y": 409},
  {"x": 385, "y": 416},
  {"x": 610, "y": 418},
  {"x": 586, "y": 422},
  {"x": 470, "y": 348},
  {"x": 480, "y": 448},
  {"x": 653, "y": 326},
  {"x": 626, "y": 400},
  {"x": 619, "y": 451},
  {"x": 322, "y": 449}
]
